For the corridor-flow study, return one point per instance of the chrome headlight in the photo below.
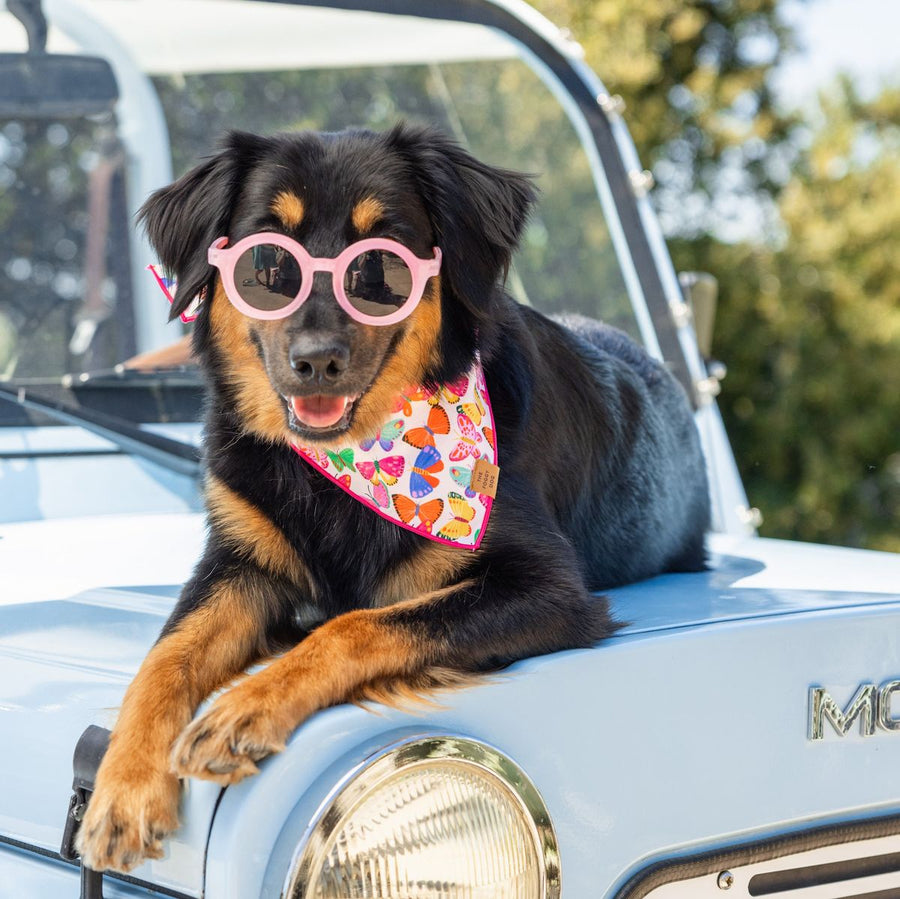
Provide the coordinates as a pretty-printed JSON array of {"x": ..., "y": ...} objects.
[{"x": 432, "y": 818}]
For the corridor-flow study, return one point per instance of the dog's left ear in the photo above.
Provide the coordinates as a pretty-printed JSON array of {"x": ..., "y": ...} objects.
[{"x": 477, "y": 212}]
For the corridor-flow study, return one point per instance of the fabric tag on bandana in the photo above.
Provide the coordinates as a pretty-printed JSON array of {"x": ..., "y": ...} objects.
[
  {"x": 484, "y": 477},
  {"x": 431, "y": 469}
]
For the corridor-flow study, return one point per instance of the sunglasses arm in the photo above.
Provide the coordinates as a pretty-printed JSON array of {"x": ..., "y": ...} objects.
[
  {"x": 214, "y": 253},
  {"x": 434, "y": 265}
]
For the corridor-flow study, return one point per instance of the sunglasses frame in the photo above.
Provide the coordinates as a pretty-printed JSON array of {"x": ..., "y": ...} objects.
[{"x": 225, "y": 261}]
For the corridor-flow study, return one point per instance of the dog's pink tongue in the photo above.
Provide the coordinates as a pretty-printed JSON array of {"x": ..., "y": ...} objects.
[{"x": 319, "y": 411}]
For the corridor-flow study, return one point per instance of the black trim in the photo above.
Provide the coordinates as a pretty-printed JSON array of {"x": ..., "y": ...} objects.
[
  {"x": 665, "y": 872},
  {"x": 483, "y": 12},
  {"x": 112, "y": 875},
  {"x": 179, "y": 457},
  {"x": 58, "y": 453},
  {"x": 818, "y": 875},
  {"x": 212, "y": 821},
  {"x": 165, "y": 396}
]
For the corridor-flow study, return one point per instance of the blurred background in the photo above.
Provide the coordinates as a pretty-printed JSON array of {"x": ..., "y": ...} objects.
[{"x": 772, "y": 128}]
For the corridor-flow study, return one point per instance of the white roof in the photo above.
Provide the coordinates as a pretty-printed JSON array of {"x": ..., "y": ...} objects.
[{"x": 172, "y": 36}]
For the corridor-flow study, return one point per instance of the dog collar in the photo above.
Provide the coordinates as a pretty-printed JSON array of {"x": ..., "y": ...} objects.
[{"x": 432, "y": 468}]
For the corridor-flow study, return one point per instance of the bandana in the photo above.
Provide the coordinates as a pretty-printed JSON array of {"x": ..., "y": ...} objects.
[{"x": 432, "y": 468}]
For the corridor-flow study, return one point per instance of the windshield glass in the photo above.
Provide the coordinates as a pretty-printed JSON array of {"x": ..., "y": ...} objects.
[
  {"x": 65, "y": 281},
  {"x": 566, "y": 261},
  {"x": 66, "y": 284}
]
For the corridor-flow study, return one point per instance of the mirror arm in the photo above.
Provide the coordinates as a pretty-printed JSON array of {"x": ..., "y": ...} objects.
[{"x": 30, "y": 14}]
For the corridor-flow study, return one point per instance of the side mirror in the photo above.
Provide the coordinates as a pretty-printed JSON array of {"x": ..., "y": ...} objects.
[
  {"x": 701, "y": 293},
  {"x": 38, "y": 84}
]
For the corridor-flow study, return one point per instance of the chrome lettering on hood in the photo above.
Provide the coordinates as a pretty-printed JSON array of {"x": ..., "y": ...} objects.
[{"x": 870, "y": 705}]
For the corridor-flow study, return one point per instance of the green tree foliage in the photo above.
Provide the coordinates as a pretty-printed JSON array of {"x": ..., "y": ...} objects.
[
  {"x": 693, "y": 74},
  {"x": 811, "y": 332},
  {"x": 809, "y": 320}
]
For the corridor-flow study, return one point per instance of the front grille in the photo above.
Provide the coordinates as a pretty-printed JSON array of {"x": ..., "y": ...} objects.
[{"x": 853, "y": 861}]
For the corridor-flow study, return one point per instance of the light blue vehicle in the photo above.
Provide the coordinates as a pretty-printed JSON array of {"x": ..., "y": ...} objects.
[{"x": 737, "y": 738}]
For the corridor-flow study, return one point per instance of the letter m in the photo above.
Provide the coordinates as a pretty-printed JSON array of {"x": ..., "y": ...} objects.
[{"x": 822, "y": 706}]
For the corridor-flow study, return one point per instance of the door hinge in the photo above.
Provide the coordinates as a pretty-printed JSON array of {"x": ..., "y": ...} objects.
[{"x": 89, "y": 752}]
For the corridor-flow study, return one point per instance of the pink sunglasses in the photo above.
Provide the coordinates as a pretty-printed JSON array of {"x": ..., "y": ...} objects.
[{"x": 376, "y": 281}]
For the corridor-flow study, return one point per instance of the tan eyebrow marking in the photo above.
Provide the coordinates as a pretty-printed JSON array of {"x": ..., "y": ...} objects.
[
  {"x": 289, "y": 208},
  {"x": 365, "y": 213}
]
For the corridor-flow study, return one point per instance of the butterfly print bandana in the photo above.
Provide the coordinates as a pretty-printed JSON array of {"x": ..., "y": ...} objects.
[{"x": 419, "y": 469}]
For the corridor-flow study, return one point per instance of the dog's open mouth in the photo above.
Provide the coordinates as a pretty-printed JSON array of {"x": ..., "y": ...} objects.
[{"x": 320, "y": 412}]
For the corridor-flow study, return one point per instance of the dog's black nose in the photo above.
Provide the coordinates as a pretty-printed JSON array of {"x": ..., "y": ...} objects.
[{"x": 318, "y": 358}]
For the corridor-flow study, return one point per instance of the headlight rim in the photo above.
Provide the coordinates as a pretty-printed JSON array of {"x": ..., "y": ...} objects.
[{"x": 420, "y": 749}]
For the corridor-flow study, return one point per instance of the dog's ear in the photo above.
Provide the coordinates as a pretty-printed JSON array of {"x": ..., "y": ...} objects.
[
  {"x": 477, "y": 212},
  {"x": 183, "y": 219}
]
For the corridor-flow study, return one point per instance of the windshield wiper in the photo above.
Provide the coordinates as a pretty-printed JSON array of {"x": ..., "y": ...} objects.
[{"x": 172, "y": 454}]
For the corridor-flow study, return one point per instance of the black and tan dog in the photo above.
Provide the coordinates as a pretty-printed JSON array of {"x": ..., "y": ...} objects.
[{"x": 602, "y": 479}]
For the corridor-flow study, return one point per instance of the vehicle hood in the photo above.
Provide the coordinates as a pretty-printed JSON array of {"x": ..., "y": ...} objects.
[{"x": 84, "y": 599}]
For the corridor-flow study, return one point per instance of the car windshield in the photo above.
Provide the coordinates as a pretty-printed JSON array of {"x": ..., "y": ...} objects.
[{"x": 74, "y": 293}]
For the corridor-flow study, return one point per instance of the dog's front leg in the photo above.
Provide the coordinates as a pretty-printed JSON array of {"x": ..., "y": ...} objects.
[
  {"x": 517, "y": 604},
  {"x": 215, "y": 632}
]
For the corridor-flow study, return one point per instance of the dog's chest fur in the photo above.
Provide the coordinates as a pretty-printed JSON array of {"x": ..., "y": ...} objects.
[{"x": 353, "y": 557}]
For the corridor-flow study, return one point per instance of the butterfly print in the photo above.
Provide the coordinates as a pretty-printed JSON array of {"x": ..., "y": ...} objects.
[
  {"x": 470, "y": 436},
  {"x": 463, "y": 477},
  {"x": 315, "y": 455},
  {"x": 451, "y": 391},
  {"x": 379, "y": 495},
  {"x": 489, "y": 436},
  {"x": 342, "y": 458},
  {"x": 387, "y": 470},
  {"x": 427, "y": 513},
  {"x": 422, "y": 478},
  {"x": 344, "y": 481},
  {"x": 405, "y": 400},
  {"x": 438, "y": 423},
  {"x": 475, "y": 411},
  {"x": 463, "y": 513},
  {"x": 385, "y": 437},
  {"x": 471, "y": 411}
]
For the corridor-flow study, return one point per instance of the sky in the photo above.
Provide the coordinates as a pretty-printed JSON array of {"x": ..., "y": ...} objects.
[{"x": 856, "y": 36}]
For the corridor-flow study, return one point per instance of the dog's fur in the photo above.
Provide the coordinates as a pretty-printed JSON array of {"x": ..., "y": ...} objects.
[{"x": 601, "y": 475}]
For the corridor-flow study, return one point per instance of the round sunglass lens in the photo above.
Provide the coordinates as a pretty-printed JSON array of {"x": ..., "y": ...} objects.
[
  {"x": 267, "y": 277},
  {"x": 378, "y": 282}
]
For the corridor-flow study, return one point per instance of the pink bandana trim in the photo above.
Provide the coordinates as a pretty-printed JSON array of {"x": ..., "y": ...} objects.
[{"x": 417, "y": 470}]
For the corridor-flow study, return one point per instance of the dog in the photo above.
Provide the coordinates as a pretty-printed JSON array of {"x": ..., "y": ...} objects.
[{"x": 591, "y": 469}]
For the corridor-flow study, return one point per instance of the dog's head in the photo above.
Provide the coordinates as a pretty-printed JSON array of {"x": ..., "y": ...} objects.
[{"x": 318, "y": 375}]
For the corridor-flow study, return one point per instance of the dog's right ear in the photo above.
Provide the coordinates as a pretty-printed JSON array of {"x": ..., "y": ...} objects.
[{"x": 183, "y": 219}]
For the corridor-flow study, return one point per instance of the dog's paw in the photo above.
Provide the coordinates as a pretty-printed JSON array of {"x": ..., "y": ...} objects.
[
  {"x": 224, "y": 743},
  {"x": 127, "y": 820}
]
